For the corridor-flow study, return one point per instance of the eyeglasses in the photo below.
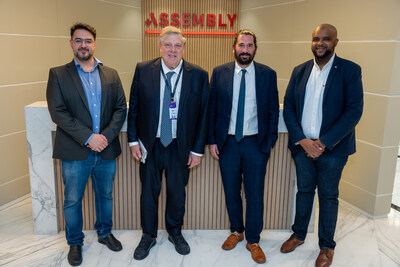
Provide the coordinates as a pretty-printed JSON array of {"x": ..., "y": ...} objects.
[
  {"x": 79, "y": 41},
  {"x": 176, "y": 46}
]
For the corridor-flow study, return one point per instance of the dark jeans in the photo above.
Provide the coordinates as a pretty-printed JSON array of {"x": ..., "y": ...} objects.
[
  {"x": 75, "y": 176},
  {"x": 237, "y": 159},
  {"x": 323, "y": 173},
  {"x": 177, "y": 176}
]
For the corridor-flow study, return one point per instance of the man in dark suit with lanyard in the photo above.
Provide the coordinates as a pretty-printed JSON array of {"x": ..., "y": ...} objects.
[
  {"x": 87, "y": 103},
  {"x": 323, "y": 104},
  {"x": 244, "y": 111},
  {"x": 167, "y": 128}
]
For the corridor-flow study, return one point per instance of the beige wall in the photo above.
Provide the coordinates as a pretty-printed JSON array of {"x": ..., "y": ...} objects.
[
  {"x": 34, "y": 37},
  {"x": 369, "y": 33}
]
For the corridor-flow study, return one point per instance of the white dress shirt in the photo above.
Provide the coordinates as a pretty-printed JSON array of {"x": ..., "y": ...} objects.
[
  {"x": 163, "y": 87},
  {"x": 312, "y": 111},
  {"x": 250, "y": 123}
]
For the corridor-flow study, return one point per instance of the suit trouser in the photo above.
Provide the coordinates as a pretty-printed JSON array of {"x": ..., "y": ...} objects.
[
  {"x": 177, "y": 175},
  {"x": 237, "y": 159},
  {"x": 323, "y": 173}
]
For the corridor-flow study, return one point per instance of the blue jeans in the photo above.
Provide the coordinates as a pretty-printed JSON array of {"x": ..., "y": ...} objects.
[
  {"x": 243, "y": 162},
  {"x": 323, "y": 173},
  {"x": 75, "y": 176}
]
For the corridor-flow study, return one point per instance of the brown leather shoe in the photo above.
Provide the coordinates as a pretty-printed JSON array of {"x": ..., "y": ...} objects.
[
  {"x": 232, "y": 240},
  {"x": 291, "y": 244},
  {"x": 256, "y": 252},
  {"x": 325, "y": 258}
]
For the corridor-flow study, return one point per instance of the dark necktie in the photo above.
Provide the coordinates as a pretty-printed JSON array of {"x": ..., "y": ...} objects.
[
  {"x": 240, "y": 109},
  {"x": 166, "y": 124}
]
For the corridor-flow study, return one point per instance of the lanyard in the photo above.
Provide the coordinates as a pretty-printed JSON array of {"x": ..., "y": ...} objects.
[{"x": 167, "y": 84}]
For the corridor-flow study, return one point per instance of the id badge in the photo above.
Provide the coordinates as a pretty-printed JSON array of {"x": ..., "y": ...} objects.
[{"x": 172, "y": 111}]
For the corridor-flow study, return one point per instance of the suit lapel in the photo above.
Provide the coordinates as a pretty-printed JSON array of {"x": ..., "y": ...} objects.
[
  {"x": 259, "y": 83},
  {"x": 230, "y": 72},
  {"x": 186, "y": 78},
  {"x": 302, "y": 86},
  {"x": 73, "y": 72},
  {"x": 103, "y": 89},
  {"x": 155, "y": 76},
  {"x": 333, "y": 71}
]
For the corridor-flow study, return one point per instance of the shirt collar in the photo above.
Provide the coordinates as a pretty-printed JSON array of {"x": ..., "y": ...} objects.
[
  {"x": 249, "y": 68},
  {"x": 327, "y": 65},
  {"x": 96, "y": 63},
  {"x": 166, "y": 69}
]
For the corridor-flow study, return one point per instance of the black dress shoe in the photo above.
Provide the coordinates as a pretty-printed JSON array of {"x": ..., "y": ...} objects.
[
  {"x": 143, "y": 249},
  {"x": 111, "y": 242},
  {"x": 181, "y": 246},
  {"x": 75, "y": 255}
]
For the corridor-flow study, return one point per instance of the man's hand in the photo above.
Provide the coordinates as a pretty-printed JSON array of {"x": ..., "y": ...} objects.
[
  {"x": 214, "y": 151},
  {"x": 193, "y": 160},
  {"x": 98, "y": 142},
  {"x": 313, "y": 149},
  {"x": 135, "y": 150}
]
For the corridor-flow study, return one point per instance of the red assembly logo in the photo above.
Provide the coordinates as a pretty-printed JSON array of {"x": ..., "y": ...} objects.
[{"x": 192, "y": 19}]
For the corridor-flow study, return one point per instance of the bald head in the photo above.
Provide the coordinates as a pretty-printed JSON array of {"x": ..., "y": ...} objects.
[
  {"x": 328, "y": 27},
  {"x": 324, "y": 41}
]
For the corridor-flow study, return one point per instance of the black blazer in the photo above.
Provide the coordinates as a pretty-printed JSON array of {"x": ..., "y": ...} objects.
[
  {"x": 144, "y": 107},
  {"x": 69, "y": 110},
  {"x": 220, "y": 105},
  {"x": 341, "y": 109}
]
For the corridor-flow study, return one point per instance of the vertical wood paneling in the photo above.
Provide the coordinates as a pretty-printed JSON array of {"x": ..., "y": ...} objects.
[
  {"x": 205, "y": 51},
  {"x": 205, "y": 199}
]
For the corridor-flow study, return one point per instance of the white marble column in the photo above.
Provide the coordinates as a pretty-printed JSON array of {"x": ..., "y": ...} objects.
[{"x": 41, "y": 170}]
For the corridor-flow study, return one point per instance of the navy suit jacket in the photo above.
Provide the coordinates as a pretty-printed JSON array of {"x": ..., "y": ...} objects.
[
  {"x": 341, "y": 109},
  {"x": 144, "y": 107},
  {"x": 68, "y": 107},
  {"x": 220, "y": 105}
]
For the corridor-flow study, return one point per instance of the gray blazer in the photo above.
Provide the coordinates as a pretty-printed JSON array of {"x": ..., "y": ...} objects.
[{"x": 69, "y": 110}]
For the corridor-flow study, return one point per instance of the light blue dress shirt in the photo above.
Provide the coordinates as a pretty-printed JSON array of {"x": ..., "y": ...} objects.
[{"x": 92, "y": 85}]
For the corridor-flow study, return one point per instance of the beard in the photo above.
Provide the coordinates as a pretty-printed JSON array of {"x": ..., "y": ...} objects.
[
  {"x": 244, "y": 61},
  {"x": 82, "y": 57},
  {"x": 327, "y": 53}
]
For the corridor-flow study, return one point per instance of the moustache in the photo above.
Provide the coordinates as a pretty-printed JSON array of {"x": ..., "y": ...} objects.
[
  {"x": 244, "y": 54},
  {"x": 83, "y": 49}
]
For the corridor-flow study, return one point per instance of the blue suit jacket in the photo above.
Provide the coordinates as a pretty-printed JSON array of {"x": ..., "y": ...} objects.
[
  {"x": 341, "y": 109},
  {"x": 220, "y": 105}
]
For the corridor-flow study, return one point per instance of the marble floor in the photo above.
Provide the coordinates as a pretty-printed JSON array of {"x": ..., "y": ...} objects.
[{"x": 361, "y": 241}]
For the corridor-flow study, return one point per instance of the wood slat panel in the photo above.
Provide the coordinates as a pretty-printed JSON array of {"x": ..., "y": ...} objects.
[
  {"x": 205, "y": 51},
  {"x": 205, "y": 199}
]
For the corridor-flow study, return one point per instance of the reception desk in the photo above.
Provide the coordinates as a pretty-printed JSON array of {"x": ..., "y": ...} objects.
[{"x": 205, "y": 205}]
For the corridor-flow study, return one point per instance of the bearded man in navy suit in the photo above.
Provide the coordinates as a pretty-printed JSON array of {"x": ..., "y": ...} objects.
[
  {"x": 168, "y": 119},
  {"x": 322, "y": 106},
  {"x": 244, "y": 111}
]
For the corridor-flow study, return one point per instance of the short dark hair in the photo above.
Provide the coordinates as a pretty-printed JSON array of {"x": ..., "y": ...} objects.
[
  {"x": 245, "y": 32},
  {"x": 83, "y": 26}
]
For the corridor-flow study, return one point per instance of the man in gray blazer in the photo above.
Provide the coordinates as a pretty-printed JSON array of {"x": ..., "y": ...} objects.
[{"x": 87, "y": 103}]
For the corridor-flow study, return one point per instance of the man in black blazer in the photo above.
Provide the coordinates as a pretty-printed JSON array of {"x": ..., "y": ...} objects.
[
  {"x": 167, "y": 128},
  {"x": 244, "y": 111},
  {"x": 87, "y": 103},
  {"x": 323, "y": 104}
]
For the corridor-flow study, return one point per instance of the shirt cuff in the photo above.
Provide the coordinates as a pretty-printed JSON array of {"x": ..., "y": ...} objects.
[
  {"x": 133, "y": 143},
  {"x": 196, "y": 154},
  {"x": 90, "y": 137}
]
